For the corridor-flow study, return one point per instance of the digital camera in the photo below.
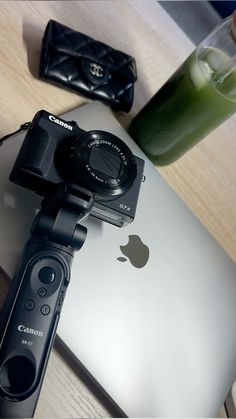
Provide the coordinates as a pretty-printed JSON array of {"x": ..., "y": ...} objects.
[{"x": 55, "y": 151}]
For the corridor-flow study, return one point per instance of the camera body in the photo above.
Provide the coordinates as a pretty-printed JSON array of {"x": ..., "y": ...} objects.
[{"x": 56, "y": 151}]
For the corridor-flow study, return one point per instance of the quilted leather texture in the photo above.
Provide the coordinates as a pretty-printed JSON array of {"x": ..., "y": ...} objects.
[{"x": 79, "y": 63}]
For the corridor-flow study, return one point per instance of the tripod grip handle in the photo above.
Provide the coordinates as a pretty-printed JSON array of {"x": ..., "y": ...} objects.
[{"x": 29, "y": 322}]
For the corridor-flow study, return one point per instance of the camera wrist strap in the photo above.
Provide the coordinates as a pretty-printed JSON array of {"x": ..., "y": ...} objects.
[{"x": 23, "y": 127}]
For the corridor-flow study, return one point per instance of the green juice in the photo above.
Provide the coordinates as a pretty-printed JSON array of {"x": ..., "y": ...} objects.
[{"x": 199, "y": 96}]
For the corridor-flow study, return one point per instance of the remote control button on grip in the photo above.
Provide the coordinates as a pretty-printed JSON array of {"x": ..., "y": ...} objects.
[{"x": 47, "y": 275}]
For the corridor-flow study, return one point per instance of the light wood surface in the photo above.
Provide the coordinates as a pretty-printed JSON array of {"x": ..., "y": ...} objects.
[{"x": 205, "y": 177}]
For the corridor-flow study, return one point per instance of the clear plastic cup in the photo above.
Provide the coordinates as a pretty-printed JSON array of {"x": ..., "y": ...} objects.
[{"x": 198, "y": 97}]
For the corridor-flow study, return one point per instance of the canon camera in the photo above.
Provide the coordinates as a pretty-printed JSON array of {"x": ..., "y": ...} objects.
[{"x": 55, "y": 151}]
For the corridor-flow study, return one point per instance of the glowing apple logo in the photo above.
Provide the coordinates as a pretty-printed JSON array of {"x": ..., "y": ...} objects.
[{"x": 136, "y": 251}]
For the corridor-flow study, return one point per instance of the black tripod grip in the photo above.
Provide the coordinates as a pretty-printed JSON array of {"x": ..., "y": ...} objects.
[{"x": 28, "y": 325}]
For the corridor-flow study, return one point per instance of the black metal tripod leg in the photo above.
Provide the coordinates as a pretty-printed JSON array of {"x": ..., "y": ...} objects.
[{"x": 32, "y": 309}]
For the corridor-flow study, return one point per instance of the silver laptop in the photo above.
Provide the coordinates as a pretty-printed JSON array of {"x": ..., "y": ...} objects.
[{"x": 151, "y": 308}]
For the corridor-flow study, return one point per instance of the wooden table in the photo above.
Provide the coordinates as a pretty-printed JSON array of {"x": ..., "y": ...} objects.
[{"x": 205, "y": 178}]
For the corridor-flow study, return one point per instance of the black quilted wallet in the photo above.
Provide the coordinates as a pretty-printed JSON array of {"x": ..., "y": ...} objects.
[{"x": 79, "y": 63}]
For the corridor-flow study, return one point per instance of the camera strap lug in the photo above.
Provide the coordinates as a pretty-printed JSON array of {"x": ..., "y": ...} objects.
[{"x": 23, "y": 127}]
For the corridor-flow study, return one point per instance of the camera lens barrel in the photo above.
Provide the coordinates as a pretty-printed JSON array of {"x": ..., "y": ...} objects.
[{"x": 104, "y": 164}]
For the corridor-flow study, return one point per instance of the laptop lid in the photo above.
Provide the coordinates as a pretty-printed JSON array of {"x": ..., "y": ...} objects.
[
  {"x": 150, "y": 310},
  {"x": 160, "y": 338}
]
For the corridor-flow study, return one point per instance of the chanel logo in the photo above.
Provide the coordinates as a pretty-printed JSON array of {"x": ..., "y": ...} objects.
[{"x": 96, "y": 70}]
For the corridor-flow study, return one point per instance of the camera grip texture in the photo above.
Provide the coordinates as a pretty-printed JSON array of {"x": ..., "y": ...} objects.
[{"x": 28, "y": 324}]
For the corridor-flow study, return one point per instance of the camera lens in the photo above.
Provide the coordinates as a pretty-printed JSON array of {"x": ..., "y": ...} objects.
[{"x": 103, "y": 163}]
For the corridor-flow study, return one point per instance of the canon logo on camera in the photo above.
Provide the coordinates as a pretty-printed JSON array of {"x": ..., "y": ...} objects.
[
  {"x": 59, "y": 122},
  {"x": 25, "y": 329}
]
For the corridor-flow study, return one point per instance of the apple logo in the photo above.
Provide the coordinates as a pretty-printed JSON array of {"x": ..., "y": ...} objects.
[{"x": 136, "y": 251}]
